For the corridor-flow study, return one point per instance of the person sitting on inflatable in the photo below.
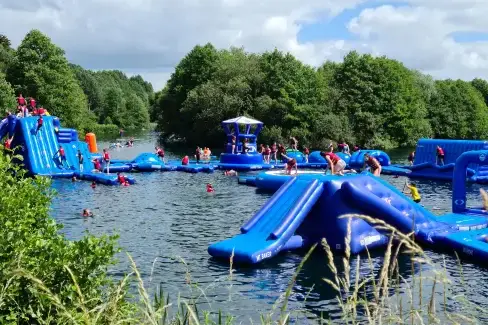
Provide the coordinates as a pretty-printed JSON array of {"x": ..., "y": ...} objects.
[
  {"x": 122, "y": 180},
  {"x": 290, "y": 164},
  {"x": 210, "y": 188},
  {"x": 335, "y": 163},
  {"x": 373, "y": 164},
  {"x": 185, "y": 160}
]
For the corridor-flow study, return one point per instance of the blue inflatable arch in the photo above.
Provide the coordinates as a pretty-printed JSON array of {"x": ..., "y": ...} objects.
[{"x": 479, "y": 157}]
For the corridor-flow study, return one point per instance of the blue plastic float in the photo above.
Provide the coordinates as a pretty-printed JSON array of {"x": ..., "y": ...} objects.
[
  {"x": 425, "y": 161},
  {"x": 307, "y": 207}
]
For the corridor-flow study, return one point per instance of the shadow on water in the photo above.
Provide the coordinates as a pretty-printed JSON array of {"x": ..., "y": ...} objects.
[{"x": 167, "y": 220}]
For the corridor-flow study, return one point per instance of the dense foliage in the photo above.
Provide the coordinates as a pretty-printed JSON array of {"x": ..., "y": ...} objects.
[
  {"x": 81, "y": 98},
  {"x": 33, "y": 246},
  {"x": 366, "y": 100}
]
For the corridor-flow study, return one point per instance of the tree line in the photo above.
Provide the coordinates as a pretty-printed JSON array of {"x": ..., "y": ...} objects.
[
  {"x": 365, "y": 100},
  {"x": 83, "y": 99}
]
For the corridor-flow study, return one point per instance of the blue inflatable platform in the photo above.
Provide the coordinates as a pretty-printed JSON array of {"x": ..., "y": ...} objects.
[
  {"x": 308, "y": 208},
  {"x": 425, "y": 165}
]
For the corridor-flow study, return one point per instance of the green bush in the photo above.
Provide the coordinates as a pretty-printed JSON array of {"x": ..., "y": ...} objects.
[{"x": 31, "y": 241}]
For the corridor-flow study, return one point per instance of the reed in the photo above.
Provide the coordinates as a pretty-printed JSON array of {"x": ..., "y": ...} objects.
[{"x": 379, "y": 296}]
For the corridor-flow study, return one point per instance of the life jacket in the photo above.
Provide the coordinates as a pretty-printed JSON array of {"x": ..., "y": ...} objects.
[
  {"x": 61, "y": 152},
  {"x": 372, "y": 162},
  {"x": 292, "y": 162},
  {"x": 335, "y": 158},
  {"x": 97, "y": 164},
  {"x": 185, "y": 160},
  {"x": 106, "y": 156},
  {"x": 273, "y": 148},
  {"x": 440, "y": 152},
  {"x": 306, "y": 151},
  {"x": 40, "y": 121},
  {"x": 210, "y": 189},
  {"x": 121, "y": 179},
  {"x": 7, "y": 144},
  {"x": 267, "y": 151},
  {"x": 21, "y": 100}
]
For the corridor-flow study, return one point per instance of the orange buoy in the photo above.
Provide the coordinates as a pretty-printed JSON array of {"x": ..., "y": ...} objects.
[{"x": 91, "y": 140}]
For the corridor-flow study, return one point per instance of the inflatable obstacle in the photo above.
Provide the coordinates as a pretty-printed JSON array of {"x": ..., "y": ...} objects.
[
  {"x": 308, "y": 207},
  {"x": 425, "y": 164}
]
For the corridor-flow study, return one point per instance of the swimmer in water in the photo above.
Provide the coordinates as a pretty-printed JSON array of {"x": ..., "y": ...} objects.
[
  {"x": 93, "y": 184},
  {"x": 210, "y": 188},
  {"x": 230, "y": 173},
  {"x": 73, "y": 179},
  {"x": 87, "y": 213}
]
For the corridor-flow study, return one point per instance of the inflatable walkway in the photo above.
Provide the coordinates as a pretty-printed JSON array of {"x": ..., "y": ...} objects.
[
  {"x": 308, "y": 208},
  {"x": 425, "y": 165}
]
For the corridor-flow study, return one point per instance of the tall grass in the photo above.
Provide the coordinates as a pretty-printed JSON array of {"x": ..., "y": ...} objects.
[{"x": 381, "y": 295}]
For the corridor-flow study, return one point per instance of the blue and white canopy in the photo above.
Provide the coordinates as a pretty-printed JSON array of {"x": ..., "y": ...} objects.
[{"x": 242, "y": 120}]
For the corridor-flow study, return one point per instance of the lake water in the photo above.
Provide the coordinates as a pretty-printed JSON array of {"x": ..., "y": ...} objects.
[{"x": 167, "y": 220}]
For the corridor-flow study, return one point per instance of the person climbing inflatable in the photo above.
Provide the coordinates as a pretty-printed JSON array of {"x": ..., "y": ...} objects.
[
  {"x": 160, "y": 153},
  {"x": 185, "y": 160},
  {"x": 291, "y": 163},
  {"x": 411, "y": 158},
  {"x": 106, "y": 159},
  {"x": 373, "y": 164},
  {"x": 40, "y": 122},
  {"x": 335, "y": 163},
  {"x": 122, "y": 180},
  {"x": 306, "y": 153}
]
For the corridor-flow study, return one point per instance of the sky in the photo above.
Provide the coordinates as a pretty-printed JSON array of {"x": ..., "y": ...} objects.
[{"x": 444, "y": 38}]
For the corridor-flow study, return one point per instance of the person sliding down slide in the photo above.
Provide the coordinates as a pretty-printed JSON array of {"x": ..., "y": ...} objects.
[{"x": 62, "y": 157}]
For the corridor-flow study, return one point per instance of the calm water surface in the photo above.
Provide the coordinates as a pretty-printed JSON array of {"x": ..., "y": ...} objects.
[{"x": 166, "y": 222}]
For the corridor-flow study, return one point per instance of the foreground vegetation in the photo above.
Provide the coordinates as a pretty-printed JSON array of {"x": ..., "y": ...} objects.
[
  {"x": 47, "y": 279},
  {"x": 101, "y": 102},
  {"x": 365, "y": 100}
]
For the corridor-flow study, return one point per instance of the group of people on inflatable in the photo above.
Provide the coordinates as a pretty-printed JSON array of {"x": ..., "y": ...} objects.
[
  {"x": 24, "y": 110},
  {"x": 201, "y": 155},
  {"x": 439, "y": 156}
]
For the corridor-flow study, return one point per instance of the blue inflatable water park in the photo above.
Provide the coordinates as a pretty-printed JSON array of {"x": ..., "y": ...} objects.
[
  {"x": 425, "y": 164},
  {"x": 308, "y": 207}
]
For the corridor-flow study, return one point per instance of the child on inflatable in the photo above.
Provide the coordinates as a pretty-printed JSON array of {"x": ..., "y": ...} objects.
[
  {"x": 267, "y": 154},
  {"x": 439, "y": 156},
  {"x": 293, "y": 143},
  {"x": 411, "y": 158},
  {"x": 306, "y": 152},
  {"x": 291, "y": 163},
  {"x": 206, "y": 154},
  {"x": 106, "y": 159},
  {"x": 62, "y": 157},
  {"x": 40, "y": 122}
]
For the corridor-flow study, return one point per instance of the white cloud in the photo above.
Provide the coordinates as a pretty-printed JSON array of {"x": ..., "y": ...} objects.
[{"x": 151, "y": 36}]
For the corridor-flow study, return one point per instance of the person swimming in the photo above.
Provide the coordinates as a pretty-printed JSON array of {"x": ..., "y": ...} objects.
[
  {"x": 210, "y": 188},
  {"x": 230, "y": 173},
  {"x": 87, "y": 213},
  {"x": 93, "y": 184}
]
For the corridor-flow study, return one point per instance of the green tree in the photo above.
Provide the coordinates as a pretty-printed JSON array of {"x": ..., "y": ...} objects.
[
  {"x": 196, "y": 68},
  {"x": 482, "y": 86},
  {"x": 7, "y": 96},
  {"x": 40, "y": 70},
  {"x": 458, "y": 111}
]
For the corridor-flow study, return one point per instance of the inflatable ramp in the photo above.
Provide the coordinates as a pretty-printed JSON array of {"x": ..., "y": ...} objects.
[{"x": 272, "y": 228}]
